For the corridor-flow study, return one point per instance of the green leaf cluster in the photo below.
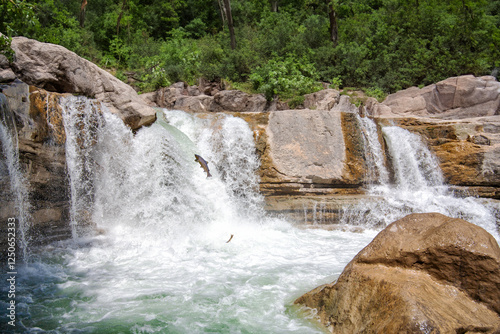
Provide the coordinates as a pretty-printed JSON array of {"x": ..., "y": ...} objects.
[
  {"x": 285, "y": 77},
  {"x": 382, "y": 45}
]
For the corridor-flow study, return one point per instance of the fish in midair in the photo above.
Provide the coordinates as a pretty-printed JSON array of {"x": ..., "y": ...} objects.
[{"x": 203, "y": 163}]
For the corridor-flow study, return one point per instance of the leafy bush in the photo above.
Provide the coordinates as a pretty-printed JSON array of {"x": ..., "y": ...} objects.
[
  {"x": 336, "y": 83},
  {"x": 287, "y": 78},
  {"x": 376, "y": 93}
]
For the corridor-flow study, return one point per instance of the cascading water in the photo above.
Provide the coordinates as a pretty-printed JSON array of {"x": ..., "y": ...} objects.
[
  {"x": 419, "y": 186},
  {"x": 10, "y": 149},
  {"x": 82, "y": 121},
  {"x": 377, "y": 172},
  {"x": 163, "y": 262},
  {"x": 228, "y": 143},
  {"x": 415, "y": 167}
]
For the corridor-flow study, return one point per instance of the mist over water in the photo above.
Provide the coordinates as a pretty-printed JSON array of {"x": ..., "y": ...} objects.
[{"x": 161, "y": 262}]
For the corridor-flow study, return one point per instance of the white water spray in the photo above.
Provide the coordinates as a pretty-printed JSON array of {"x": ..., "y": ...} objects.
[
  {"x": 18, "y": 182},
  {"x": 415, "y": 167},
  {"x": 419, "y": 186},
  {"x": 164, "y": 263},
  {"x": 377, "y": 171},
  {"x": 82, "y": 120}
]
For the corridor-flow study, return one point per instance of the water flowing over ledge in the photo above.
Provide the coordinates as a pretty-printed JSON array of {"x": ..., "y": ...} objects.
[
  {"x": 18, "y": 185},
  {"x": 418, "y": 185},
  {"x": 163, "y": 261}
]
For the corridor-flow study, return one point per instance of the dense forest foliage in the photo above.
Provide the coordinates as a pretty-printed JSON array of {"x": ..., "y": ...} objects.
[{"x": 283, "y": 47}]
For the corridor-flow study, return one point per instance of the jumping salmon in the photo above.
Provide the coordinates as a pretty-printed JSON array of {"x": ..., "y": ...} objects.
[{"x": 203, "y": 164}]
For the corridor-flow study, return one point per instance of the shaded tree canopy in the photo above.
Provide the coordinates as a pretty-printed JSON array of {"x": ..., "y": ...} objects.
[{"x": 379, "y": 44}]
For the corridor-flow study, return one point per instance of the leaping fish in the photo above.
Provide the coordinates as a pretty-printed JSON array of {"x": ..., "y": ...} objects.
[{"x": 203, "y": 164}]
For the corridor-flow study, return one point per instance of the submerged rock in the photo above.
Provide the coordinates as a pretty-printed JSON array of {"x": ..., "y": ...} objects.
[{"x": 423, "y": 273}]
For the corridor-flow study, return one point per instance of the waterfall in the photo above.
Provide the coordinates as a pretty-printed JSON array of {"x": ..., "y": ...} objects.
[
  {"x": 18, "y": 182},
  {"x": 418, "y": 185},
  {"x": 415, "y": 167},
  {"x": 106, "y": 163},
  {"x": 179, "y": 252},
  {"x": 377, "y": 171},
  {"x": 227, "y": 143},
  {"x": 82, "y": 119}
]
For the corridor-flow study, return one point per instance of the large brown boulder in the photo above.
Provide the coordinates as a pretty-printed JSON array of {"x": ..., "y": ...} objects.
[
  {"x": 54, "y": 68},
  {"x": 423, "y": 273}
]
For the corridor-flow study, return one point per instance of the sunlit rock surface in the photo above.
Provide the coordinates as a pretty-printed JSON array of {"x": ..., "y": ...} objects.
[
  {"x": 57, "y": 69},
  {"x": 454, "y": 98},
  {"x": 423, "y": 273}
]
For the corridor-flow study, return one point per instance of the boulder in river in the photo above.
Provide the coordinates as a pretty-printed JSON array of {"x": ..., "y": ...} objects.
[{"x": 423, "y": 273}]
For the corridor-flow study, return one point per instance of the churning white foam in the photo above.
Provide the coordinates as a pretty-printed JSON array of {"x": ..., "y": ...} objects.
[{"x": 164, "y": 263}]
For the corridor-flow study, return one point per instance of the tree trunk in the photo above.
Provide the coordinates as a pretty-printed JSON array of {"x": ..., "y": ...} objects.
[
  {"x": 222, "y": 13},
  {"x": 332, "y": 14},
  {"x": 120, "y": 17},
  {"x": 82, "y": 13},
  {"x": 227, "y": 5},
  {"x": 274, "y": 6}
]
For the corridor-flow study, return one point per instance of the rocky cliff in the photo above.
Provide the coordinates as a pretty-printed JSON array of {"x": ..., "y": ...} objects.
[
  {"x": 35, "y": 116},
  {"x": 56, "y": 69}
]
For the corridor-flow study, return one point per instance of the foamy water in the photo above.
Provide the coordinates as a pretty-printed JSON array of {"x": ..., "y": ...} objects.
[
  {"x": 418, "y": 186},
  {"x": 163, "y": 263},
  {"x": 196, "y": 283}
]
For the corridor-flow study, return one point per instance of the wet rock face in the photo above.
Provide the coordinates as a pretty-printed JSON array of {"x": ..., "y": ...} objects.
[
  {"x": 425, "y": 272},
  {"x": 41, "y": 138}
]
